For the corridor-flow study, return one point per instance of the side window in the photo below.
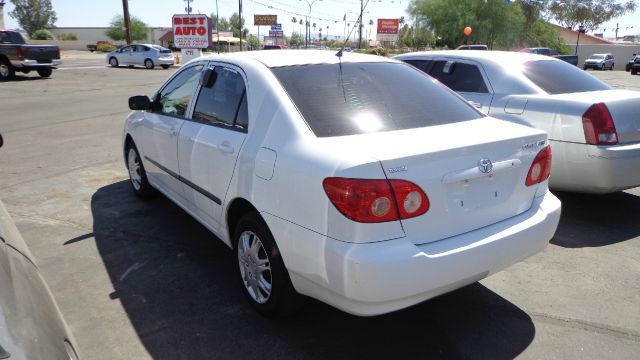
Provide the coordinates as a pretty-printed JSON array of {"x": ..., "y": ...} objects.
[
  {"x": 459, "y": 76},
  {"x": 175, "y": 97},
  {"x": 142, "y": 48},
  {"x": 420, "y": 64},
  {"x": 127, "y": 49},
  {"x": 223, "y": 102}
]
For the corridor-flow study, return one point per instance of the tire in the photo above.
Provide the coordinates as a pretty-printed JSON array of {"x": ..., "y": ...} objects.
[
  {"x": 113, "y": 61},
  {"x": 149, "y": 64},
  {"x": 584, "y": 68},
  {"x": 633, "y": 71},
  {"x": 45, "y": 73},
  {"x": 7, "y": 72},
  {"x": 276, "y": 297},
  {"x": 612, "y": 65},
  {"x": 602, "y": 67},
  {"x": 137, "y": 174},
  {"x": 165, "y": 66}
]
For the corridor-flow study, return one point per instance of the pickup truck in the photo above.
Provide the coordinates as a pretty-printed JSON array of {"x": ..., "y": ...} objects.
[
  {"x": 16, "y": 55},
  {"x": 571, "y": 59},
  {"x": 635, "y": 67}
]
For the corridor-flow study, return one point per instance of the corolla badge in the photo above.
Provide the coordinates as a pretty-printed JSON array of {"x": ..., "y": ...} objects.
[{"x": 485, "y": 166}]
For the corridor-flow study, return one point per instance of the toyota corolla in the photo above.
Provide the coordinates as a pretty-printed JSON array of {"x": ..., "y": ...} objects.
[{"x": 353, "y": 179}]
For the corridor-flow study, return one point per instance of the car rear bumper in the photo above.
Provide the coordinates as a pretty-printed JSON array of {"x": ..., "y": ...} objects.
[
  {"x": 169, "y": 62},
  {"x": 377, "y": 278},
  {"x": 34, "y": 64},
  {"x": 593, "y": 66}
]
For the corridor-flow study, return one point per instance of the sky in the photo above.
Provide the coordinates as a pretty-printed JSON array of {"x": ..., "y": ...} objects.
[{"x": 158, "y": 13}]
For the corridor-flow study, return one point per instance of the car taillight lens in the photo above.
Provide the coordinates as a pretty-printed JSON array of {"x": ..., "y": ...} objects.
[
  {"x": 58, "y": 53},
  {"x": 598, "y": 125},
  {"x": 20, "y": 53},
  {"x": 541, "y": 167},
  {"x": 374, "y": 200}
]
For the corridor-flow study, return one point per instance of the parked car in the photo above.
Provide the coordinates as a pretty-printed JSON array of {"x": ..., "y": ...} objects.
[
  {"x": 599, "y": 62},
  {"x": 16, "y": 55},
  {"x": 275, "y": 47},
  {"x": 571, "y": 59},
  {"x": 336, "y": 178},
  {"x": 594, "y": 130},
  {"x": 472, "y": 47},
  {"x": 147, "y": 55},
  {"x": 635, "y": 67},
  {"x": 32, "y": 326},
  {"x": 629, "y": 64}
]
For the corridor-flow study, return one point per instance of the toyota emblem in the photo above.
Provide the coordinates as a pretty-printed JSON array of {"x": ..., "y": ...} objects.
[{"x": 485, "y": 166}]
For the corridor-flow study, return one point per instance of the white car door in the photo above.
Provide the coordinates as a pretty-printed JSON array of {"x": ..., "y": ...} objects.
[
  {"x": 125, "y": 56},
  {"x": 161, "y": 128},
  {"x": 209, "y": 143},
  {"x": 465, "y": 77}
]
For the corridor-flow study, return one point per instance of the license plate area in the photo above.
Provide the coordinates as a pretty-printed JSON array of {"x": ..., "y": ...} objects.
[{"x": 470, "y": 195}]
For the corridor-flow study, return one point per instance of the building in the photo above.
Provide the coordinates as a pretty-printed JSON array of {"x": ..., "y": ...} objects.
[
  {"x": 571, "y": 37},
  {"x": 91, "y": 35}
]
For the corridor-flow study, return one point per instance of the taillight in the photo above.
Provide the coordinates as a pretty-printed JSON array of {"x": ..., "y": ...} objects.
[
  {"x": 20, "y": 53},
  {"x": 541, "y": 167},
  {"x": 598, "y": 125},
  {"x": 58, "y": 53},
  {"x": 374, "y": 200}
]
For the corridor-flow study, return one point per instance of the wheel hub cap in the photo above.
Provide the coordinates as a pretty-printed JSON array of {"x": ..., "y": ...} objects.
[
  {"x": 255, "y": 268},
  {"x": 134, "y": 169}
]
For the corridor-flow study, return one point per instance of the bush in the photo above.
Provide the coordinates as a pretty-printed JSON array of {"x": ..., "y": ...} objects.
[
  {"x": 106, "y": 47},
  {"x": 65, "y": 37},
  {"x": 42, "y": 34}
]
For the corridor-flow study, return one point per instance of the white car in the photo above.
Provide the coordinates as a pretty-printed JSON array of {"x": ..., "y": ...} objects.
[
  {"x": 594, "y": 130},
  {"x": 336, "y": 178},
  {"x": 147, "y": 55}
]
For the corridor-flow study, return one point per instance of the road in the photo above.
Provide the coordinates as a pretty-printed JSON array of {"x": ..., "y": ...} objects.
[{"x": 141, "y": 279}]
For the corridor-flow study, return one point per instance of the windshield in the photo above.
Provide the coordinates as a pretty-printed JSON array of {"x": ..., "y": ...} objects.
[
  {"x": 559, "y": 77},
  {"x": 370, "y": 97},
  {"x": 597, "y": 56}
]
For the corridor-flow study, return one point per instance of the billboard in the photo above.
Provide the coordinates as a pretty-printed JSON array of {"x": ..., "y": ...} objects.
[
  {"x": 387, "y": 30},
  {"x": 265, "y": 20},
  {"x": 191, "y": 31},
  {"x": 276, "y": 33}
]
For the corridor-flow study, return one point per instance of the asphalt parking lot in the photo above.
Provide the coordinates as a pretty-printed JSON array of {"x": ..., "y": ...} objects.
[{"x": 140, "y": 279}]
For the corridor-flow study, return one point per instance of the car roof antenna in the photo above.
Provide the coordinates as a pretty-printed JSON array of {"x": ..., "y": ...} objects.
[{"x": 339, "y": 53}]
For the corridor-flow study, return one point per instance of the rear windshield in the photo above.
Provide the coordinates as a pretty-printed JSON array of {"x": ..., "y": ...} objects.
[
  {"x": 559, "y": 77},
  {"x": 356, "y": 98}
]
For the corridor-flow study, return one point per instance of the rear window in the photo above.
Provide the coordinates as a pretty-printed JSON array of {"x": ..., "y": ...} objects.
[
  {"x": 559, "y": 77},
  {"x": 356, "y": 98}
]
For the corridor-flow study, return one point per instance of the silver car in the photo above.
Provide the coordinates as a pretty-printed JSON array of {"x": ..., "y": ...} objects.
[
  {"x": 147, "y": 55},
  {"x": 599, "y": 62},
  {"x": 594, "y": 130}
]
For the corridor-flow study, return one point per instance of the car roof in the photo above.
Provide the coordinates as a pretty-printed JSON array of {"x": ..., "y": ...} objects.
[
  {"x": 603, "y": 54},
  {"x": 278, "y": 58}
]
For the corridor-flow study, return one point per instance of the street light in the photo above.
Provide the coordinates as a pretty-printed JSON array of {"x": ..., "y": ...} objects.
[
  {"x": 581, "y": 29},
  {"x": 308, "y": 26}
]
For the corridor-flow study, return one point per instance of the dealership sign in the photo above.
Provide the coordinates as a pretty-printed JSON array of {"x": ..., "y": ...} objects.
[
  {"x": 265, "y": 20},
  {"x": 388, "y": 29},
  {"x": 191, "y": 31}
]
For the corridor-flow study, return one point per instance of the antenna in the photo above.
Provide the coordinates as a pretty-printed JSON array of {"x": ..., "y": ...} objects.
[{"x": 358, "y": 23}]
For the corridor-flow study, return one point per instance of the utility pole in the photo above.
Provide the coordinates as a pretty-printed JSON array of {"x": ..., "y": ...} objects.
[
  {"x": 360, "y": 25},
  {"x": 240, "y": 21},
  {"x": 617, "y": 31},
  {"x": 127, "y": 21}
]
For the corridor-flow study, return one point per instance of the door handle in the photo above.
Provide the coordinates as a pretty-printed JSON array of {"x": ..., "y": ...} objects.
[{"x": 226, "y": 148}]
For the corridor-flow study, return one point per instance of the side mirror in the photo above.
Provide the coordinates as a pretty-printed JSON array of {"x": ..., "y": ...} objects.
[
  {"x": 208, "y": 78},
  {"x": 139, "y": 102},
  {"x": 1, "y": 141}
]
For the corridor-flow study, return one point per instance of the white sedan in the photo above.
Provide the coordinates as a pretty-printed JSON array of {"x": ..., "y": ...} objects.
[
  {"x": 594, "y": 130},
  {"x": 336, "y": 178}
]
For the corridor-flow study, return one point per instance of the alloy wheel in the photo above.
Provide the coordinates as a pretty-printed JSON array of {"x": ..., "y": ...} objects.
[
  {"x": 133, "y": 162},
  {"x": 255, "y": 267}
]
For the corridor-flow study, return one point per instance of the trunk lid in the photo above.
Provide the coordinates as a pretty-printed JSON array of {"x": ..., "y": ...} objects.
[
  {"x": 624, "y": 106},
  {"x": 41, "y": 53},
  {"x": 444, "y": 161}
]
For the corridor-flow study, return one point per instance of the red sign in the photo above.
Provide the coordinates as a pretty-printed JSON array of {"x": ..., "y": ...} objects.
[
  {"x": 191, "y": 31},
  {"x": 388, "y": 26}
]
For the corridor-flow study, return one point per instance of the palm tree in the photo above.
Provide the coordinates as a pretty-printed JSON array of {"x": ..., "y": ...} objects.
[
  {"x": 314, "y": 27},
  {"x": 295, "y": 21},
  {"x": 370, "y": 25},
  {"x": 300, "y": 27}
]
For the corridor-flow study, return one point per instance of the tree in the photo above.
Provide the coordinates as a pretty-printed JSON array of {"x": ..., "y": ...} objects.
[
  {"x": 223, "y": 24},
  {"x": 254, "y": 42},
  {"x": 42, "y": 34},
  {"x": 589, "y": 13},
  {"x": 296, "y": 39},
  {"x": 33, "y": 15},
  {"x": 236, "y": 24},
  {"x": 139, "y": 30}
]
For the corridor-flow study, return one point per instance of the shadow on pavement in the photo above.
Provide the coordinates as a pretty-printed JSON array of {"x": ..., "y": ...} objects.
[
  {"x": 178, "y": 285},
  {"x": 597, "y": 220}
]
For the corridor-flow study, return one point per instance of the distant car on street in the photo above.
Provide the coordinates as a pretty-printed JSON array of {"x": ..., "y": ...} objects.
[
  {"x": 571, "y": 59},
  {"x": 635, "y": 67},
  {"x": 594, "y": 130},
  {"x": 341, "y": 177},
  {"x": 275, "y": 47},
  {"x": 599, "y": 62},
  {"x": 472, "y": 47},
  {"x": 147, "y": 55}
]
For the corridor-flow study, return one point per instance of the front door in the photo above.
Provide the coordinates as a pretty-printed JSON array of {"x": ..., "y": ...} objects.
[
  {"x": 209, "y": 143},
  {"x": 161, "y": 128}
]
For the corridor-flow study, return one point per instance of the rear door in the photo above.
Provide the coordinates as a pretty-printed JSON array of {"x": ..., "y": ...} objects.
[
  {"x": 161, "y": 128},
  {"x": 210, "y": 141},
  {"x": 467, "y": 78}
]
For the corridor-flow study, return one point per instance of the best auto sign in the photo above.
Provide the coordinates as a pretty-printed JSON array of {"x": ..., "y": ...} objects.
[{"x": 191, "y": 31}]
